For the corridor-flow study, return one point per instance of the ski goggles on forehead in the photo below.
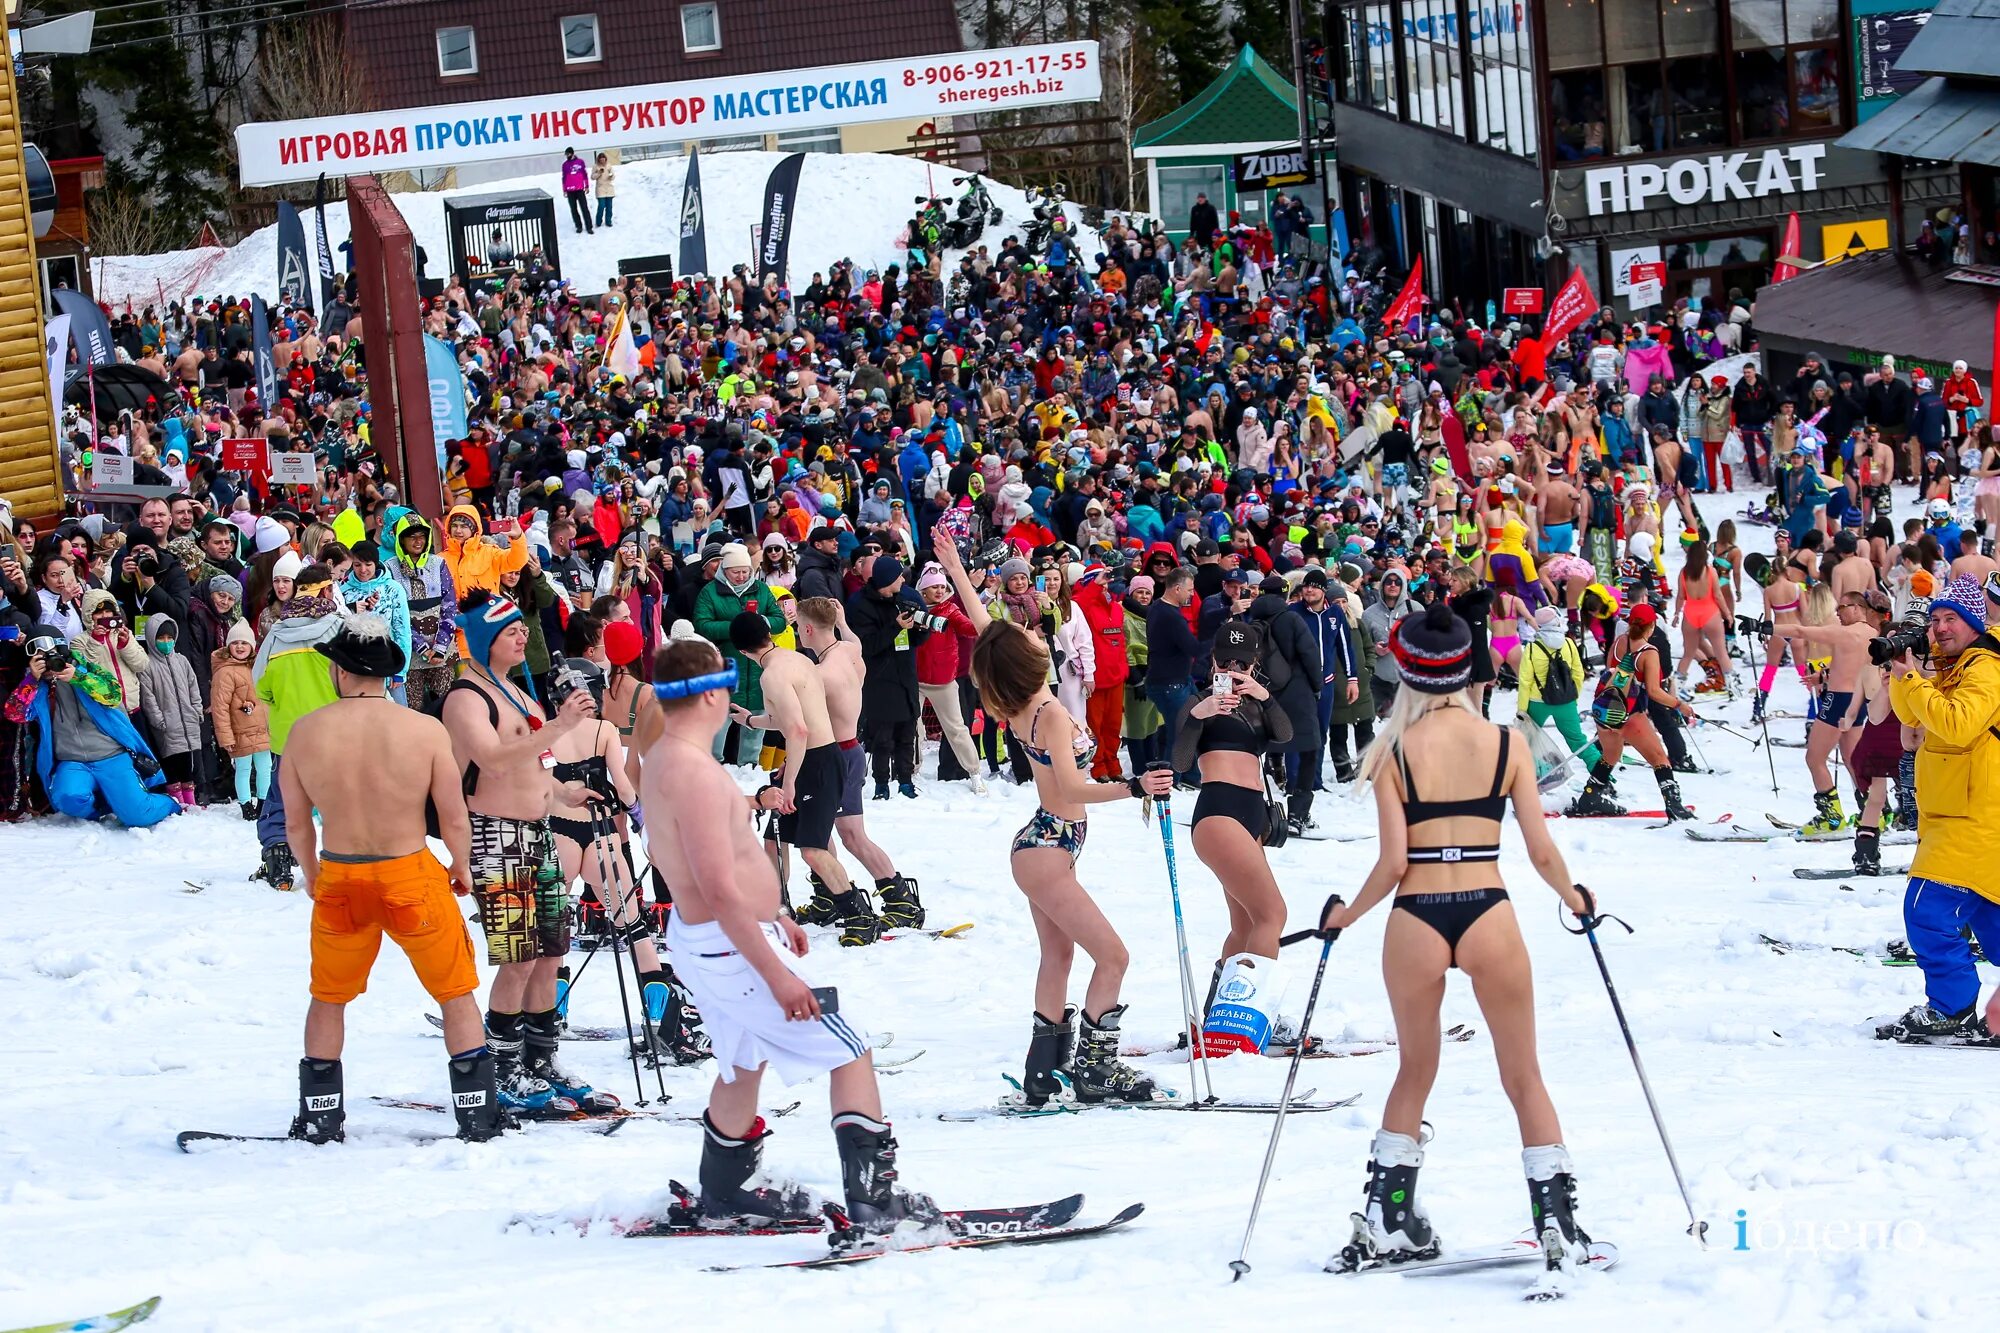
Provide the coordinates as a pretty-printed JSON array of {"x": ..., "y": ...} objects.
[{"x": 724, "y": 679}]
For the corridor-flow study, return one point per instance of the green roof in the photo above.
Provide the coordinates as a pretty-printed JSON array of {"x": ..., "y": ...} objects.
[{"x": 1249, "y": 103}]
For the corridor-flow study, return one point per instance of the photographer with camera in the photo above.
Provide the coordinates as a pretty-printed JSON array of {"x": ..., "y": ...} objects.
[
  {"x": 1954, "y": 877},
  {"x": 147, "y": 580},
  {"x": 884, "y": 616},
  {"x": 88, "y": 754}
]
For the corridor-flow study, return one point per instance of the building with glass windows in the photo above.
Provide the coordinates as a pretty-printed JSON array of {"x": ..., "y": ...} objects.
[{"x": 1509, "y": 142}]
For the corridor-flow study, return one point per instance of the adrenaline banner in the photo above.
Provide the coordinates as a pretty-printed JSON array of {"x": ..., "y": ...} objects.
[
  {"x": 694, "y": 222},
  {"x": 780, "y": 208},
  {"x": 294, "y": 278},
  {"x": 326, "y": 273},
  {"x": 267, "y": 364}
]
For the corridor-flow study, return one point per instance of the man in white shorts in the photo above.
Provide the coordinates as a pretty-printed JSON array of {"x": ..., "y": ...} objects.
[{"x": 739, "y": 958}]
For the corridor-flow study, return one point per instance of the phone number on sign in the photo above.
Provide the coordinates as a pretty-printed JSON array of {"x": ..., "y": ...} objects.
[{"x": 1006, "y": 67}]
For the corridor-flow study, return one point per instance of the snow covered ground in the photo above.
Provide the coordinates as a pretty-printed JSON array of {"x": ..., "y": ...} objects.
[
  {"x": 131, "y": 1009},
  {"x": 870, "y": 195}
]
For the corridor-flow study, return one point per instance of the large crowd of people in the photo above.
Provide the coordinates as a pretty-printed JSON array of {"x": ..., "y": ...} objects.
[{"x": 1184, "y": 516}]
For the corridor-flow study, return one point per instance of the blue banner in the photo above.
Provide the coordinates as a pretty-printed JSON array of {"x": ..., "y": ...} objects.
[
  {"x": 294, "y": 284},
  {"x": 694, "y": 225},
  {"x": 447, "y": 390},
  {"x": 88, "y": 328}
]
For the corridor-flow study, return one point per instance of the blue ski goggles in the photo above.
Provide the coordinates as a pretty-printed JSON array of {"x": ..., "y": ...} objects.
[{"x": 724, "y": 679}]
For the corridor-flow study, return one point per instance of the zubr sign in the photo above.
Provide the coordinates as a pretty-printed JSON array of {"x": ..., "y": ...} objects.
[
  {"x": 1694, "y": 180},
  {"x": 1051, "y": 74},
  {"x": 1273, "y": 168}
]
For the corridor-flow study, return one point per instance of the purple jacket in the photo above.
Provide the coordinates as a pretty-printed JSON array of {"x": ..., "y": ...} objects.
[{"x": 575, "y": 176}]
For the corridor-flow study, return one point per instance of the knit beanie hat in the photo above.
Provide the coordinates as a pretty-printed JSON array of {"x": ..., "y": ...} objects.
[
  {"x": 288, "y": 566},
  {"x": 622, "y": 642},
  {"x": 482, "y": 622},
  {"x": 1010, "y": 568},
  {"x": 885, "y": 572},
  {"x": 1965, "y": 596},
  {"x": 1434, "y": 650},
  {"x": 270, "y": 535},
  {"x": 240, "y": 632}
]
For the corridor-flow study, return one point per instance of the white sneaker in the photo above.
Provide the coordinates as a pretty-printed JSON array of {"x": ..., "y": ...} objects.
[{"x": 978, "y": 785}]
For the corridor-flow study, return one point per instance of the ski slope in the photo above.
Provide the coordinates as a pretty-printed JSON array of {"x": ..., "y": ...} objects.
[
  {"x": 871, "y": 194},
  {"x": 1862, "y": 1171}
]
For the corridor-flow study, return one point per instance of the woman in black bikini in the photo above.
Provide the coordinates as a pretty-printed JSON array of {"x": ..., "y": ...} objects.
[
  {"x": 1228, "y": 729},
  {"x": 1010, "y": 665},
  {"x": 1438, "y": 850}
]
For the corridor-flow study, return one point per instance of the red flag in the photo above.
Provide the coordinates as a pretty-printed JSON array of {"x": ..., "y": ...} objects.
[
  {"x": 1573, "y": 304},
  {"x": 1410, "y": 301},
  {"x": 1789, "y": 246}
]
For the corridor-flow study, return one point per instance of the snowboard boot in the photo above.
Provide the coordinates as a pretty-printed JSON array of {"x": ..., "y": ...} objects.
[
  {"x": 1670, "y": 795},
  {"x": 1552, "y": 1202},
  {"x": 521, "y": 1092},
  {"x": 1595, "y": 800},
  {"x": 1924, "y": 1021},
  {"x": 1829, "y": 819},
  {"x": 541, "y": 1034},
  {"x": 1867, "y": 852},
  {"x": 859, "y": 925},
  {"x": 901, "y": 908},
  {"x": 475, "y": 1098},
  {"x": 821, "y": 911},
  {"x": 277, "y": 867},
  {"x": 250, "y": 811},
  {"x": 1391, "y": 1227},
  {"x": 1098, "y": 1075},
  {"x": 728, "y": 1165},
  {"x": 322, "y": 1113},
  {"x": 875, "y": 1206},
  {"x": 1050, "y": 1051}
]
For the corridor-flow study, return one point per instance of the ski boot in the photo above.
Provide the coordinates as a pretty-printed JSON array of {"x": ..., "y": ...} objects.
[
  {"x": 1595, "y": 801},
  {"x": 1829, "y": 819},
  {"x": 1906, "y": 793},
  {"x": 1098, "y": 1075},
  {"x": 728, "y": 1165},
  {"x": 1867, "y": 852},
  {"x": 322, "y": 1113},
  {"x": 1924, "y": 1021},
  {"x": 1714, "y": 679},
  {"x": 524, "y": 1094},
  {"x": 539, "y": 1031},
  {"x": 1552, "y": 1202},
  {"x": 875, "y": 1206},
  {"x": 1050, "y": 1051},
  {"x": 277, "y": 867},
  {"x": 1391, "y": 1228},
  {"x": 678, "y": 1037},
  {"x": 475, "y": 1098},
  {"x": 1670, "y": 795},
  {"x": 1757, "y": 708},
  {"x": 901, "y": 908}
]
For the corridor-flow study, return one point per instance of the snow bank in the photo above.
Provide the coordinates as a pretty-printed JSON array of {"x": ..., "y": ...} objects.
[{"x": 851, "y": 206}]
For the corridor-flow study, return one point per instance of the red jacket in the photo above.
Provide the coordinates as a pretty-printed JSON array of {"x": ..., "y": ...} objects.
[
  {"x": 1107, "y": 625},
  {"x": 940, "y": 655}
]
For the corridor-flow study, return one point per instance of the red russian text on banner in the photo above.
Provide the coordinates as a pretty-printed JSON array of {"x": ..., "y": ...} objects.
[
  {"x": 1573, "y": 304},
  {"x": 1410, "y": 301},
  {"x": 1521, "y": 301}
]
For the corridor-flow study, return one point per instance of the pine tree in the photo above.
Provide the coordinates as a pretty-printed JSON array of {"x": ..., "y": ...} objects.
[
  {"x": 1191, "y": 38},
  {"x": 1265, "y": 26}
]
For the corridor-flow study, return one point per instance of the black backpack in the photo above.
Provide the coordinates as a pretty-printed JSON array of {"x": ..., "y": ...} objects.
[{"x": 1558, "y": 685}]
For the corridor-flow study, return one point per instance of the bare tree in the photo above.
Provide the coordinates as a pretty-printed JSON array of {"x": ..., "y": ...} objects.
[
  {"x": 123, "y": 221},
  {"x": 303, "y": 71}
]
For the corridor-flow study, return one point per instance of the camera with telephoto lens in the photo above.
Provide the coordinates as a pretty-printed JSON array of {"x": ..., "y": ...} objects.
[
  {"x": 54, "y": 653},
  {"x": 1752, "y": 625},
  {"x": 1904, "y": 639}
]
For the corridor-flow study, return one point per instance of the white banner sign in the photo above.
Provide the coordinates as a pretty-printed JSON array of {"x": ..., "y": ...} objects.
[
  {"x": 110, "y": 468},
  {"x": 1621, "y": 266},
  {"x": 291, "y": 469},
  {"x": 920, "y": 88}
]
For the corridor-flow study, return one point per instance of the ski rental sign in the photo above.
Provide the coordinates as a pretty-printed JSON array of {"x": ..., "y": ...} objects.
[{"x": 919, "y": 88}]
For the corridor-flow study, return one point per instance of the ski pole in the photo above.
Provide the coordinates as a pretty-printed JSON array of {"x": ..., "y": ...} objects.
[
  {"x": 1587, "y": 927},
  {"x": 1196, "y": 1056},
  {"x": 618, "y": 939},
  {"x": 1770, "y": 761},
  {"x": 602, "y": 829},
  {"x": 1241, "y": 1263}
]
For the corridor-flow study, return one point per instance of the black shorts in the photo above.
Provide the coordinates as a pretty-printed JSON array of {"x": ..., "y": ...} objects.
[
  {"x": 1245, "y": 805},
  {"x": 815, "y": 799}
]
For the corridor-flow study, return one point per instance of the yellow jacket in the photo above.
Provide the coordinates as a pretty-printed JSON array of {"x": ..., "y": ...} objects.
[
  {"x": 478, "y": 563},
  {"x": 1958, "y": 768},
  {"x": 1534, "y": 671}
]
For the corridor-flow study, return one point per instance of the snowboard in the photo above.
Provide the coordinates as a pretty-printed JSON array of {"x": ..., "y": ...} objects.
[
  {"x": 187, "y": 1138},
  {"x": 98, "y": 1323},
  {"x": 1838, "y": 872}
]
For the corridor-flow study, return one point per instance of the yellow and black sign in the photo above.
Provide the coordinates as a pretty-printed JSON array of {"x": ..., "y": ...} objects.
[{"x": 1838, "y": 240}]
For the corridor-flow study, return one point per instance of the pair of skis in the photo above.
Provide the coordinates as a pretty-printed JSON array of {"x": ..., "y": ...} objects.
[
  {"x": 1519, "y": 1253},
  {"x": 99, "y": 1323},
  {"x": 1065, "y": 1103},
  {"x": 1316, "y": 1050}
]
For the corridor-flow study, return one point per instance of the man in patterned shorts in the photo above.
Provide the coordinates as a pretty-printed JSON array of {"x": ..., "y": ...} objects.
[{"x": 501, "y": 737}]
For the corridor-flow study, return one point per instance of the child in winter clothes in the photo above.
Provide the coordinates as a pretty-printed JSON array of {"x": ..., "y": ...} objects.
[
  {"x": 242, "y": 720},
  {"x": 171, "y": 701}
]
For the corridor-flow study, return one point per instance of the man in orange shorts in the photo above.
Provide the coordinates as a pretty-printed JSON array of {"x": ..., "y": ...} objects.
[{"x": 374, "y": 875}]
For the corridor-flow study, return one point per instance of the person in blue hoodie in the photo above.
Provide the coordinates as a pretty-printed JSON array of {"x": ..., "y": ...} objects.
[
  {"x": 369, "y": 586},
  {"x": 88, "y": 754}
]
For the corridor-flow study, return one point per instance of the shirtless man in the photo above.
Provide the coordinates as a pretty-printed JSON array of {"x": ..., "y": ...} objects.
[
  {"x": 188, "y": 366},
  {"x": 841, "y": 671},
  {"x": 1972, "y": 564},
  {"x": 1668, "y": 455},
  {"x": 739, "y": 956},
  {"x": 1558, "y": 503},
  {"x": 1839, "y": 721},
  {"x": 374, "y": 875},
  {"x": 1874, "y": 469},
  {"x": 501, "y": 741}
]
